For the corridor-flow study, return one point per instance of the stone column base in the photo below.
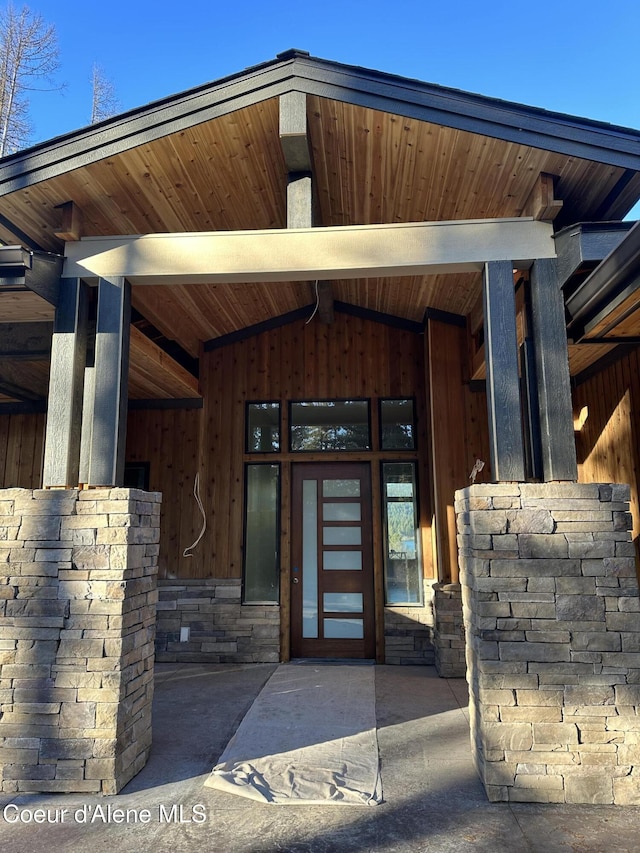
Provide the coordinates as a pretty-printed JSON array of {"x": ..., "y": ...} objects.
[
  {"x": 77, "y": 622},
  {"x": 448, "y": 636},
  {"x": 552, "y": 617}
]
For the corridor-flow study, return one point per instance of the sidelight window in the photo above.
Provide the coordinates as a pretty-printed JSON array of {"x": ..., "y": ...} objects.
[
  {"x": 403, "y": 569},
  {"x": 262, "y": 535}
]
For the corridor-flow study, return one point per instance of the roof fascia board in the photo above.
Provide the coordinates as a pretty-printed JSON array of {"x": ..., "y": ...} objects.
[
  {"x": 512, "y": 122},
  {"x": 375, "y": 90},
  {"x": 601, "y": 291}
]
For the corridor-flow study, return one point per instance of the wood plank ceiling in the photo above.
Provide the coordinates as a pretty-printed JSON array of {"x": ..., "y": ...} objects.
[{"x": 369, "y": 167}]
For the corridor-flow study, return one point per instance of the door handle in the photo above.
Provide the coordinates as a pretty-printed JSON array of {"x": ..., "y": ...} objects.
[{"x": 295, "y": 580}]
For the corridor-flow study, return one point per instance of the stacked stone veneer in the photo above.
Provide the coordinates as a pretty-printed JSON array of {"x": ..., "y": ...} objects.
[
  {"x": 553, "y": 630},
  {"x": 221, "y": 628},
  {"x": 448, "y": 636},
  {"x": 77, "y": 616},
  {"x": 408, "y": 631}
]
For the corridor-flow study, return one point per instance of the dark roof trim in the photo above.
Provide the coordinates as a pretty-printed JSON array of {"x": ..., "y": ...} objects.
[
  {"x": 258, "y": 328},
  {"x": 36, "y": 407},
  {"x": 21, "y": 235},
  {"x": 305, "y": 313},
  {"x": 165, "y": 403},
  {"x": 445, "y": 317},
  {"x": 22, "y": 270},
  {"x": 379, "y": 317},
  {"x": 612, "y": 281},
  {"x": 294, "y": 70}
]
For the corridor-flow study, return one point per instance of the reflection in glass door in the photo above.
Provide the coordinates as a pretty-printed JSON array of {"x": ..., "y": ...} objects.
[{"x": 332, "y": 610}]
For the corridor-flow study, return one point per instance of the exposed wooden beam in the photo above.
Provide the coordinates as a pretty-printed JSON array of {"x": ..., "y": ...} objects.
[
  {"x": 582, "y": 246},
  {"x": 325, "y": 301},
  {"x": 357, "y": 251},
  {"x": 109, "y": 415},
  {"x": 25, "y": 341},
  {"x": 70, "y": 221},
  {"x": 503, "y": 383},
  {"x": 149, "y": 357},
  {"x": 552, "y": 373},
  {"x": 293, "y": 132},
  {"x": 18, "y": 392},
  {"x": 299, "y": 200},
  {"x": 44, "y": 277},
  {"x": 64, "y": 411},
  {"x": 542, "y": 203}
]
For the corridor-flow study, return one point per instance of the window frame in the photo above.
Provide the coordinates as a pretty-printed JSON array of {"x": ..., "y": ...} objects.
[
  {"x": 247, "y": 426},
  {"x": 365, "y": 400},
  {"x": 384, "y": 531},
  {"x": 278, "y": 535},
  {"x": 384, "y": 449}
]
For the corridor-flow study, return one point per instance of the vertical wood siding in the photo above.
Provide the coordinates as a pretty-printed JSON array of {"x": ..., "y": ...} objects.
[
  {"x": 21, "y": 447},
  {"x": 168, "y": 439},
  {"x": 352, "y": 357},
  {"x": 459, "y": 434},
  {"x": 607, "y": 423}
]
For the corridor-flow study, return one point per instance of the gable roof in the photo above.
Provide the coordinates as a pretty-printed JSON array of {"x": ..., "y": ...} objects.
[
  {"x": 385, "y": 149},
  {"x": 297, "y": 70}
]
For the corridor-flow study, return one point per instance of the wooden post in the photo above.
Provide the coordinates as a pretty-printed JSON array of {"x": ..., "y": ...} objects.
[
  {"x": 299, "y": 200},
  {"x": 503, "y": 383},
  {"x": 445, "y": 354},
  {"x": 64, "y": 407},
  {"x": 294, "y": 140},
  {"x": 109, "y": 413},
  {"x": 552, "y": 372},
  {"x": 87, "y": 423}
]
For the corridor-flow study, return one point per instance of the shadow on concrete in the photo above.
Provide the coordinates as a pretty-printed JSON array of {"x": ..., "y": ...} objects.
[{"x": 434, "y": 802}]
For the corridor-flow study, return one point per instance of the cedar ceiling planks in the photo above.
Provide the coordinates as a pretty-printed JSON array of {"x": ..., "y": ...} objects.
[{"x": 229, "y": 174}]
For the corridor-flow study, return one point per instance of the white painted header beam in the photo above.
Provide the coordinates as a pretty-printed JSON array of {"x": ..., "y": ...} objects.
[{"x": 347, "y": 252}]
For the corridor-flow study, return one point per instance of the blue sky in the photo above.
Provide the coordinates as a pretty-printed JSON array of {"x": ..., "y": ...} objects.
[{"x": 580, "y": 58}]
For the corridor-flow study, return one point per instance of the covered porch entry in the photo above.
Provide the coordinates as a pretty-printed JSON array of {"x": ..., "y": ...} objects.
[{"x": 256, "y": 375}]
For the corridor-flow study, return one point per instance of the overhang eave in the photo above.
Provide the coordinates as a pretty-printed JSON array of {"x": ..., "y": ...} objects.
[{"x": 296, "y": 71}]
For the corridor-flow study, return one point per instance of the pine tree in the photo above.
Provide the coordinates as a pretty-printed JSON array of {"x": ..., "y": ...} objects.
[
  {"x": 104, "y": 102},
  {"x": 28, "y": 59}
]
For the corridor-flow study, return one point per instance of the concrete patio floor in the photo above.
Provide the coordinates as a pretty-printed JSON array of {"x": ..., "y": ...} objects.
[{"x": 434, "y": 802}]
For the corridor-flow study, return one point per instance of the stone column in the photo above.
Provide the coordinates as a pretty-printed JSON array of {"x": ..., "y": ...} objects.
[
  {"x": 552, "y": 617},
  {"x": 448, "y": 635},
  {"x": 77, "y": 623}
]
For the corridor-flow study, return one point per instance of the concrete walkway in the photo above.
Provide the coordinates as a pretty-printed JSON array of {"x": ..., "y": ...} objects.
[{"x": 434, "y": 802}]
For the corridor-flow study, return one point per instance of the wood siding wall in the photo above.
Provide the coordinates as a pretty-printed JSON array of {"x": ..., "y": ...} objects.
[
  {"x": 168, "y": 439},
  {"x": 607, "y": 422},
  {"x": 459, "y": 434},
  {"x": 352, "y": 357},
  {"x": 21, "y": 448}
]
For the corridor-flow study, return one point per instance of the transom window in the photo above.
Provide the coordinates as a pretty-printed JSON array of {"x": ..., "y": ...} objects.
[
  {"x": 397, "y": 425},
  {"x": 263, "y": 428},
  {"x": 330, "y": 425}
]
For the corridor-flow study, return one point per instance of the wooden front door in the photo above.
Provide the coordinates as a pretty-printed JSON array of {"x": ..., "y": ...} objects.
[{"x": 332, "y": 603}]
